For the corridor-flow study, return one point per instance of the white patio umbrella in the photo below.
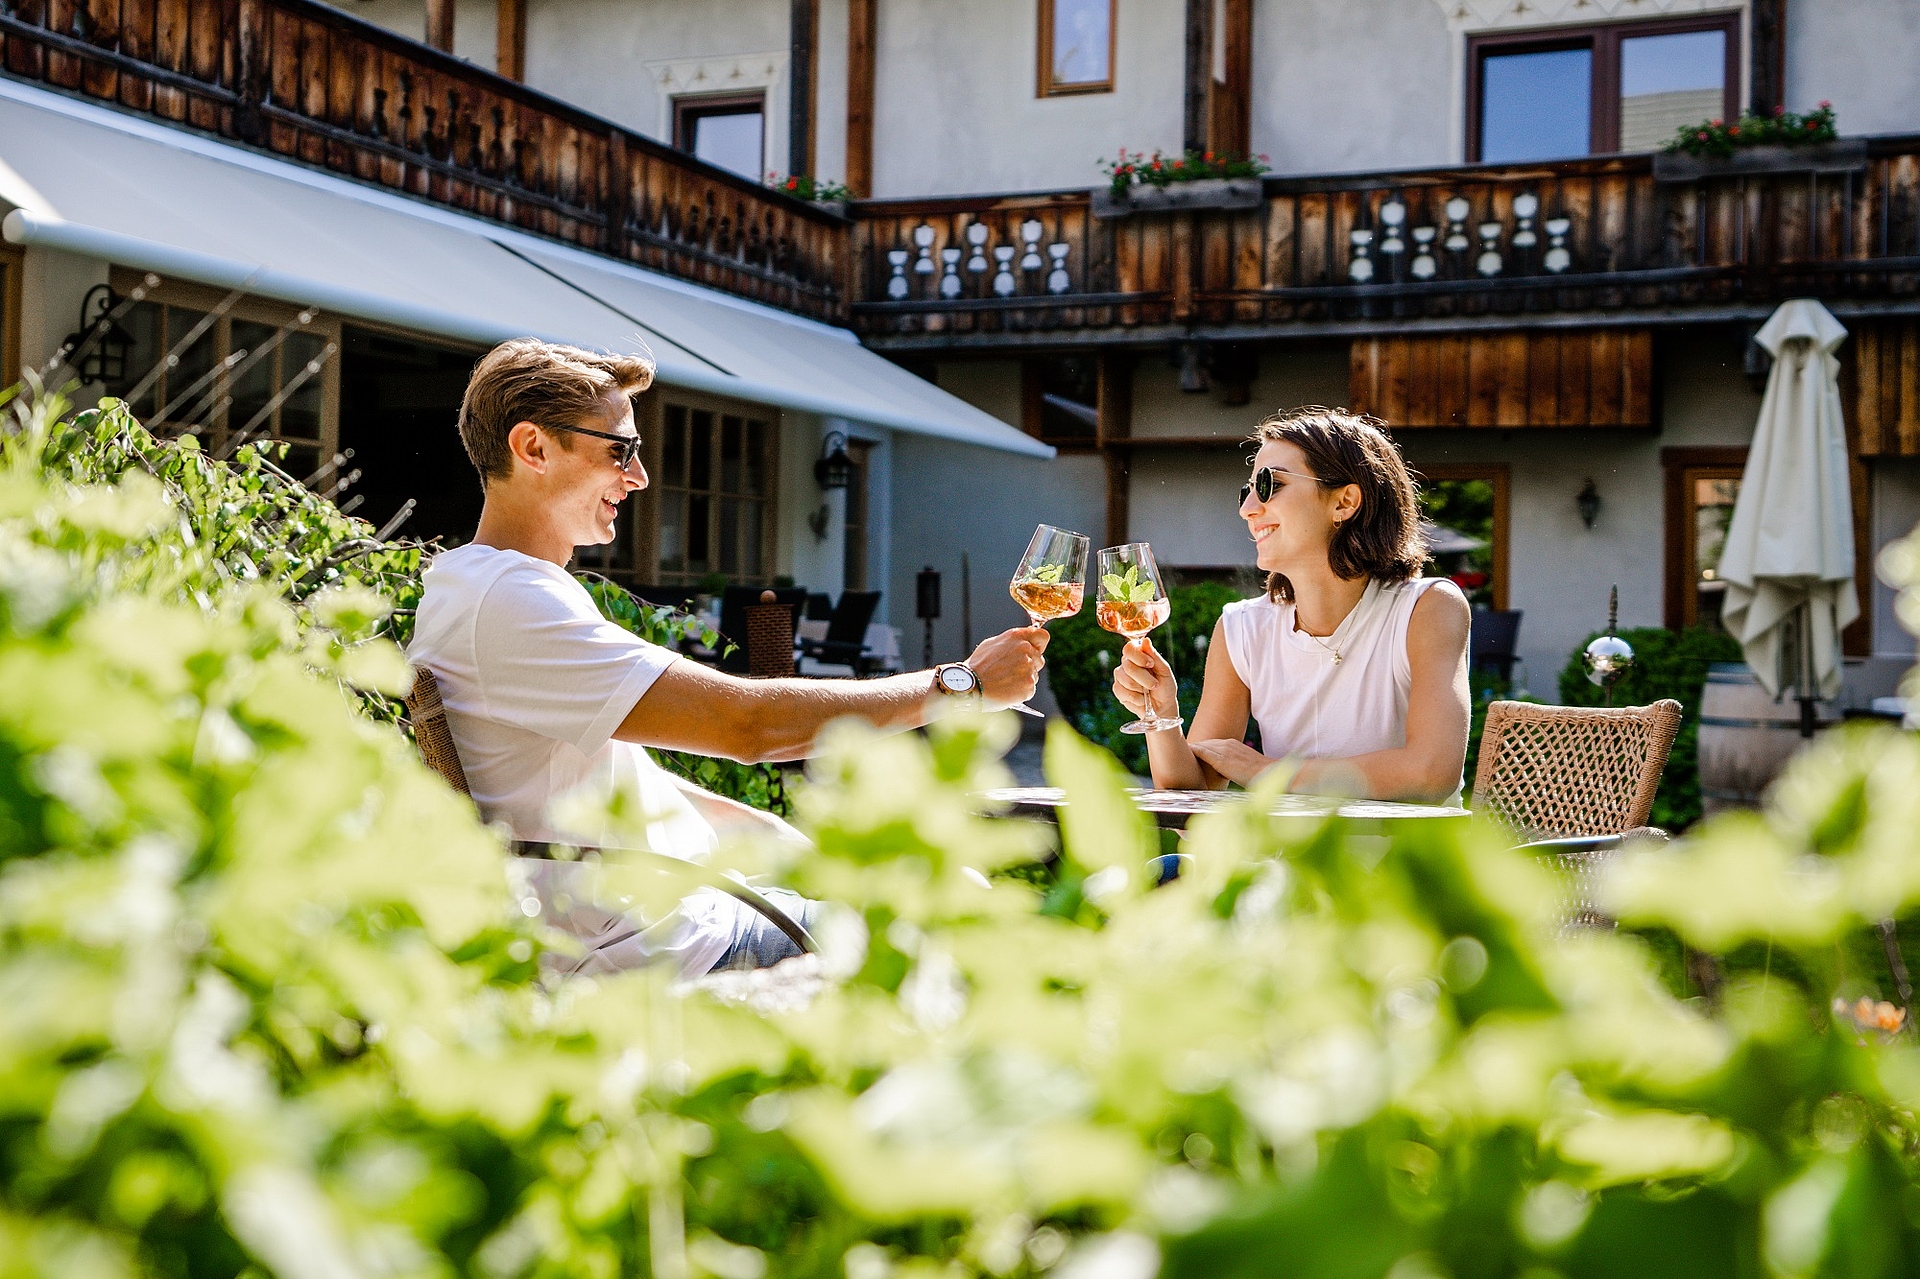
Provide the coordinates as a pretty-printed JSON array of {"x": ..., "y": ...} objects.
[{"x": 1788, "y": 558}]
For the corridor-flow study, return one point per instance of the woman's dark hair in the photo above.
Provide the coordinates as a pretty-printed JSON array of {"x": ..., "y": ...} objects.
[{"x": 1383, "y": 539}]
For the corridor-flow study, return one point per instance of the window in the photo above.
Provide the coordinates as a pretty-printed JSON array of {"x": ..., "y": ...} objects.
[
  {"x": 1062, "y": 400},
  {"x": 728, "y": 130},
  {"x": 1622, "y": 87},
  {"x": 859, "y": 516},
  {"x": 11, "y": 260},
  {"x": 1702, "y": 486},
  {"x": 1076, "y": 46},
  {"x": 715, "y": 483},
  {"x": 284, "y": 385},
  {"x": 1468, "y": 504}
]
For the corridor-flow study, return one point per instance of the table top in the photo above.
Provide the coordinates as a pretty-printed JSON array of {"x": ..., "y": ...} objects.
[{"x": 1172, "y": 808}]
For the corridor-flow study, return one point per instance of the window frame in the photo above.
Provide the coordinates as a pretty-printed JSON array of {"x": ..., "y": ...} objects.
[
  {"x": 13, "y": 265},
  {"x": 1603, "y": 38},
  {"x": 173, "y": 293},
  {"x": 690, "y": 108},
  {"x": 1683, "y": 468},
  {"x": 1046, "y": 86},
  {"x": 1500, "y": 476},
  {"x": 650, "y": 417},
  {"x": 1033, "y": 407}
]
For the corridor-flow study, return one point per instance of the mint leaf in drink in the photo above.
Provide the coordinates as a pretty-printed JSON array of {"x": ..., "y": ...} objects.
[{"x": 1049, "y": 574}]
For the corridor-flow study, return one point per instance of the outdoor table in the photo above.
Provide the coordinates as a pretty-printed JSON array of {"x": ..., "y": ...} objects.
[{"x": 1171, "y": 809}]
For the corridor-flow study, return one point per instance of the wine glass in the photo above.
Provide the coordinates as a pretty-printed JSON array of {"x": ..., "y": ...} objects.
[
  {"x": 1131, "y": 601},
  {"x": 1052, "y": 578}
]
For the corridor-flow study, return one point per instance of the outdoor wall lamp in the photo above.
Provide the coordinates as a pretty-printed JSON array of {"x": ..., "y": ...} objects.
[
  {"x": 834, "y": 470},
  {"x": 1589, "y": 503},
  {"x": 97, "y": 350}
]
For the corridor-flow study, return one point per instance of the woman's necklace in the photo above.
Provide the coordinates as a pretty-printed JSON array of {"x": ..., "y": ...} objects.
[
  {"x": 1323, "y": 644},
  {"x": 1336, "y": 651}
]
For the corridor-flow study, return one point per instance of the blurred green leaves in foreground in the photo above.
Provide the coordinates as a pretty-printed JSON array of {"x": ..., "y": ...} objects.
[{"x": 271, "y": 1000}]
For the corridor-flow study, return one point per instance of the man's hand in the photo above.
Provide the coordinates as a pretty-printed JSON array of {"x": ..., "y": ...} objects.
[
  {"x": 1232, "y": 759},
  {"x": 1008, "y": 665},
  {"x": 1144, "y": 682}
]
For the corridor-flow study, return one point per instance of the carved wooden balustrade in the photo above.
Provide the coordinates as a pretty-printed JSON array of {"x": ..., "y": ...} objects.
[
  {"x": 1434, "y": 248},
  {"x": 314, "y": 84}
]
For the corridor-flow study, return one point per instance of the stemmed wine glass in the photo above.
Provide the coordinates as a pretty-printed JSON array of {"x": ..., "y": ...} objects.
[
  {"x": 1051, "y": 581},
  {"x": 1131, "y": 601}
]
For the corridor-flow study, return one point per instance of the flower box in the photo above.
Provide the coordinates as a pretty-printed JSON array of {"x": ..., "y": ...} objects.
[
  {"x": 1845, "y": 156},
  {"x": 1206, "y": 193}
]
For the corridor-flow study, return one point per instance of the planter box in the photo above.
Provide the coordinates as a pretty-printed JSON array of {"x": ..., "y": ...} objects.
[
  {"x": 836, "y": 207},
  {"x": 1848, "y": 155},
  {"x": 1208, "y": 193}
]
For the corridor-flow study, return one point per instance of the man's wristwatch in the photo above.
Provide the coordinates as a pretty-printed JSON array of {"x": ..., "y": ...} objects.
[{"x": 956, "y": 679}]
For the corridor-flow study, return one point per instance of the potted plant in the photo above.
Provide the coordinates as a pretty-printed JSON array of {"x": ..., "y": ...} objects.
[
  {"x": 831, "y": 196},
  {"x": 1139, "y": 182},
  {"x": 1784, "y": 142}
]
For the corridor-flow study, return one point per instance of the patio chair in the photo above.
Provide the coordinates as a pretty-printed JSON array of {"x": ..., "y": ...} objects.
[
  {"x": 819, "y": 606},
  {"x": 435, "y": 742},
  {"x": 1575, "y": 783},
  {"x": 846, "y": 640},
  {"x": 1493, "y": 643}
]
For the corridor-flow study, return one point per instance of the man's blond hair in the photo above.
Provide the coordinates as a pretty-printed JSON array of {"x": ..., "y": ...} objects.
[{"x": 525, "y": 380}]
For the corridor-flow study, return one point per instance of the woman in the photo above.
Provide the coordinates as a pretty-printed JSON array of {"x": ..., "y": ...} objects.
[{"x": 1352, "y": 663}]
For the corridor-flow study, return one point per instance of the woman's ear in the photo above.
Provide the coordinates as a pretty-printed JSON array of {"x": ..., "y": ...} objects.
[
  {"x": 529, "y": 446},
  {"x": 1346, "y": 503}
]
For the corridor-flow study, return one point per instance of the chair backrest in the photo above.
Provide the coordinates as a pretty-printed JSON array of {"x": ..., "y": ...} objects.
[
  {"x": 851, "y": 617},
  {"x": 819, "y": 606},
  {"x": 1557, "y": 771},
  {"x": 430, "y": 731},
  {"x": 1495, "y": 634}
]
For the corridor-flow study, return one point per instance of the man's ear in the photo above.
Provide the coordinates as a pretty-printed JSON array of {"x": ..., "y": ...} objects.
[{"x": 529, "y": 445}]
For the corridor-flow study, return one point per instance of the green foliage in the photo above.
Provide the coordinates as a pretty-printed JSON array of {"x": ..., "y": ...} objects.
[
  {"x": 1159, "y": 170},
  {"x": 271, "y": 1004},
  {"x": 1081, "y": 657},
  {"x": 1666, "y": 664},
  {"x": 1782, "y": 128}
]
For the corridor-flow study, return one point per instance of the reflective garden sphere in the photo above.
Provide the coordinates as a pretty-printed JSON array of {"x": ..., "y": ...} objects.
[{"x": 1608, "y": 658}]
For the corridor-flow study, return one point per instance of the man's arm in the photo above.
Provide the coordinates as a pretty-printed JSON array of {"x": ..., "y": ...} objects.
[{"x": 708, "y": 712}]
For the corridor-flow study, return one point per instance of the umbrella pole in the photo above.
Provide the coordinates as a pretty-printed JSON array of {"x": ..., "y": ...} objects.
[{"x": 1807, "y": 690}]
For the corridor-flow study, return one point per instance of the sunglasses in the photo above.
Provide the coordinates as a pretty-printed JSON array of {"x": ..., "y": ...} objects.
[
  {"x": 1264, "y": 485},
  {"x": 629, "y": 444}
]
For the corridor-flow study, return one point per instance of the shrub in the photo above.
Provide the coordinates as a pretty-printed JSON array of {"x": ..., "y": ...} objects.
[
  {"x": 1081, "y": 656},
  {"x": 1666, "y": 664}
]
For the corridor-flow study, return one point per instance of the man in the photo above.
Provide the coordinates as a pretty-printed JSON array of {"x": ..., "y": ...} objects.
[{"x": 543, "y": 694}]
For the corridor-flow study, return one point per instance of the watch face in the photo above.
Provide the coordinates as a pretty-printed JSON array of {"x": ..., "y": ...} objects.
[{"x": 956, "y": 679}]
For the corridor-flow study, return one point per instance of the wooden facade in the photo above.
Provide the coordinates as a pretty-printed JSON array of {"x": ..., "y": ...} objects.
[
  {"x": 313, "y": 84},
  {"x": 1522, "y": 378},
  {"x": 1885, "y": 362}
]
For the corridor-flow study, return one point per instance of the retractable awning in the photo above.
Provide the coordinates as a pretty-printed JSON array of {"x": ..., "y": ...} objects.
[{"x": 93, "y": 181}]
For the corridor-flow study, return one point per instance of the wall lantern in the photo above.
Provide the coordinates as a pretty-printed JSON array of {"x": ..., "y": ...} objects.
[
  {"x": 834, "y": 470},
  {"x": 1589, "y": 503},
  {"x": 98, "y": 349}
]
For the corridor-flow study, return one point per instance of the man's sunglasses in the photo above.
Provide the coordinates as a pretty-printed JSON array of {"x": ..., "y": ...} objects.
[
  {"x": 629, "y": 444},
  {"x": 1264, "y": 486}
]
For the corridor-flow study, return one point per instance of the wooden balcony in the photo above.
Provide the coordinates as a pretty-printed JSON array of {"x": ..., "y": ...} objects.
[
  {"x": 308, "y": 82},
  {"x": 1599, "y": 240}
]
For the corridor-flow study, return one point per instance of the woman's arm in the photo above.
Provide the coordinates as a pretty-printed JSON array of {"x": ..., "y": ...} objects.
[
  {"x": 1428, "y": 767},
  {"x": 1144, "y": 680}
]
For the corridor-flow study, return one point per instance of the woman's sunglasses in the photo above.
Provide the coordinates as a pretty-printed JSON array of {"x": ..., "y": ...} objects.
[
  {"x": 1264, "y": 485},
  {"x": 629, "y": 444}
]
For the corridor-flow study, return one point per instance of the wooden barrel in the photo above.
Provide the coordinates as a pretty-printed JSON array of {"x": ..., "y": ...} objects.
[{"x": 1746, "y": 738}]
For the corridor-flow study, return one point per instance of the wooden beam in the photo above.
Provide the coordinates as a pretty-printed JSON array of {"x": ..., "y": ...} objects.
[
  {"x": 510, "y": 39},
  {"x": 1856, "y": 640},
  {"x": 440, "y": 24},
  {"x": 862, "y": 30},
  {"x": 1230, "y": 113},
  {"x": 1199, "y": 72},
  {"x": 1767, "y": 56},
  {"x": 804, "y": 68},
  {"x": 1113, "y": 425}
]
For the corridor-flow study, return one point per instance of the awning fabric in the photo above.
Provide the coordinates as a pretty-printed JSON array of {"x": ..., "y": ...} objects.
[
  {"x": 1789, "y": 548},
  {"x": 94, "y": 181}
]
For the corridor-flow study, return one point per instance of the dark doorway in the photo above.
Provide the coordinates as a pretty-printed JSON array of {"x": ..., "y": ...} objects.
[{"x": 399, "y": 406}]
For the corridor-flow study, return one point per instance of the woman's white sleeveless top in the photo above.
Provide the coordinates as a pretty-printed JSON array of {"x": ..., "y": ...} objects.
[{"x": 1309, "y": 706}]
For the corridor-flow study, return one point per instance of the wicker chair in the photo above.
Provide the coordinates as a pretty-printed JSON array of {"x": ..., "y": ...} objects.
[
  {"x": 1575, "y": 782},
  {"x": 435, "y": 741}
]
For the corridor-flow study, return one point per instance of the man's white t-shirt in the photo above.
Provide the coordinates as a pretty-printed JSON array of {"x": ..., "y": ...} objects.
[{"x": 535, "y": 682}]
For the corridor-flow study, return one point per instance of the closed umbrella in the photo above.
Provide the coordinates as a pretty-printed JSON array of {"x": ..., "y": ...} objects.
[{"x": 1788, "y": 558}]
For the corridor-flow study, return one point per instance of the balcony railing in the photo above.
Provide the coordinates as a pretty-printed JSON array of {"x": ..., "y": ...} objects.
[
  {"x": 1481, "y": 244},
  {"x": 313, "y": 84}
]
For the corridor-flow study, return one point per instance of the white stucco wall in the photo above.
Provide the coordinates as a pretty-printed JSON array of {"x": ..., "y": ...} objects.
[
  {"x": 52, "y": 286},
  {"x": 1862, "y": 55},
  {"x": 1896, "y": 510},
  {"x": 473, "y": 23}
]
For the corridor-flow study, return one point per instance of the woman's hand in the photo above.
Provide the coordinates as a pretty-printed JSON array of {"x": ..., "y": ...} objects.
[
  {"x": 1232, "y": 759},
  {"x": 1144, "y": 682}
]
